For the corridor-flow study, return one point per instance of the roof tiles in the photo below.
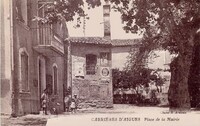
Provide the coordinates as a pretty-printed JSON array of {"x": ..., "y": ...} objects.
[
  {"x": 103, "y": 41},
  {"x": 125, "y": 42},
  {"x": 89, "y": 40}
]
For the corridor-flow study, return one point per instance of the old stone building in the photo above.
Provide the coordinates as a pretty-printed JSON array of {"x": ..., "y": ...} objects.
[
  {"x": 31, "y": 58},
  {"x": 91, "y": 76},
  {"x": 89, "y": 67}
]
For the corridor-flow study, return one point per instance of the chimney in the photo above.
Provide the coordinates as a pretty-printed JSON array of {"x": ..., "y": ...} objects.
[{"x": 106, "y": 18}]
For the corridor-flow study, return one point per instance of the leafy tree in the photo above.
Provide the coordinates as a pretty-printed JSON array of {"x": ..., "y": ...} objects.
[
  {"x": 131, "y": 79},
  {"x": 172, "y": 25}
]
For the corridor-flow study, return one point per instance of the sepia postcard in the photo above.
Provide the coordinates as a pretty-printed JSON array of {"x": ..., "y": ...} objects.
[{"x": 100, "y": 62}]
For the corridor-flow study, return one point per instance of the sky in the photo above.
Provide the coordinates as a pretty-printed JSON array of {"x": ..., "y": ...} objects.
[{"x": 94, "y": 26}]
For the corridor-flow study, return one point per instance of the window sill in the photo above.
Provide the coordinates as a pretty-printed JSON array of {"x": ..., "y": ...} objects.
[{"x": 79, "y": 78}]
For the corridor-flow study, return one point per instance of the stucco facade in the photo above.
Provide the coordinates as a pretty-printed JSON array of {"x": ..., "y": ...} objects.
[
  {"x": 120, "y": 57},
  {"x": 6, "y": 57},
  {"x": 121, "y": 51},
  {"x": 31, "y": 61}
]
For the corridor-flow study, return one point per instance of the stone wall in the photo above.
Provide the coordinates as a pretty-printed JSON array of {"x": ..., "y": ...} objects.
[
  {"x": 92, "y": 90},
  {"x": 92, "y": 94}
]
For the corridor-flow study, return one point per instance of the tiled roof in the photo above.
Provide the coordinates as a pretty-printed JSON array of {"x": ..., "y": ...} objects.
[
  {"x": 125, "y": 42},
  {"x": 103, "y": 41},
  {"x": 90, "y": 40}
]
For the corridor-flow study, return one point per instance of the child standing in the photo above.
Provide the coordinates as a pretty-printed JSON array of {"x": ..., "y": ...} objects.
[{"x": 74, "y": 104}]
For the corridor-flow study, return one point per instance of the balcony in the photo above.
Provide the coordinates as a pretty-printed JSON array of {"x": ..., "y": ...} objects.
[{"x": 49, "y": 42}]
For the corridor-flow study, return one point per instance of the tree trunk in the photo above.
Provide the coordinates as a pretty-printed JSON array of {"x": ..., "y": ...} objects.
[
  {"x": 178, "y": 94},
  {"x": 194, "y": 77}
]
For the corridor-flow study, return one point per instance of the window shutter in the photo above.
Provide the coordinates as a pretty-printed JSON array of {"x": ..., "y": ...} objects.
[{"x": 91, "y": 61}]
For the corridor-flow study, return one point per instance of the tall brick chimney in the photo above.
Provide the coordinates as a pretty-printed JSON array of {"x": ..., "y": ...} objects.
[{"x": 106, "y": 18}]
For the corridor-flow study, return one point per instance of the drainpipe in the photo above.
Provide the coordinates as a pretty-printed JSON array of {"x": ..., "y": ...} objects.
[{"x": 14, "y": 49}]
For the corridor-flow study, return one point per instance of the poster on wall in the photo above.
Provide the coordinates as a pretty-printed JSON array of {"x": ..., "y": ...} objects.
[
  {"x": 105, "y": 72},
  {"x": 104, "y": 58},
  {"x": 79, "y": 69},
  {"x": 105, "y": 75}
]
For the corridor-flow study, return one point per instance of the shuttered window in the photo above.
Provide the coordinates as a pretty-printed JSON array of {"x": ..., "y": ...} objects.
[{"x": 91, "y": 61}]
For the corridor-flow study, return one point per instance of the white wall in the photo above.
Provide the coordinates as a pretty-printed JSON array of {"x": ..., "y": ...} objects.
[
  {"x": 6, "y": 40},
  {"x": 119, "y": 57},
  {"x": 120, "y": 54},
  {"x": 162, "y": 60},
  {"x": 5, "y": 56}
]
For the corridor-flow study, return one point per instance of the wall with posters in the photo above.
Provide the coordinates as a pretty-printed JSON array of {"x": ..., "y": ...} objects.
[{"x": 91, "y": 75}]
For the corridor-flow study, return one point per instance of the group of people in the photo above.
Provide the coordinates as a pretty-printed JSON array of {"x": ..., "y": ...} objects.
[{"x": 71, "y": 104}]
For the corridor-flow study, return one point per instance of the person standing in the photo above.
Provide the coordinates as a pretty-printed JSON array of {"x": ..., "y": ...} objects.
[
  {"x": 74, "y": 104},
  {"x": 44, "y": 98},
  {"x": 67, "y": 101}
]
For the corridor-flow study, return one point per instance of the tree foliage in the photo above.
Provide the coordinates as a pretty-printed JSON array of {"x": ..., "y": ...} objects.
[
  {"x": 169, "y": 24},
  {"x": 130, "y": 79},
  {"x": 57, "y": 10},
  {"x": 133, "y": 78},
  {"x": 166, "y": 22}
]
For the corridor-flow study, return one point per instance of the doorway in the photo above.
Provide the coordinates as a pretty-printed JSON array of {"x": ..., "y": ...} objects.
[{"x": 41, "y": 77}]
